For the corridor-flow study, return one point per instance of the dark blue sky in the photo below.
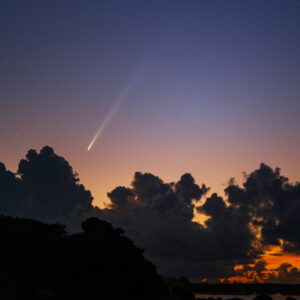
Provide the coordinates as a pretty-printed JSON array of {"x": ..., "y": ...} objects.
[{"x": 219, "y": 93}]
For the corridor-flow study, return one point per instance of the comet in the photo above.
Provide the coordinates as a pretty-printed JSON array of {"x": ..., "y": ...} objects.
[{"x": 117, "y": 104}]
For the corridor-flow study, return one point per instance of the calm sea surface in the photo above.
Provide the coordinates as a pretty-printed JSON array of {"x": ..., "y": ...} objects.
[{"x": 245, "y": 297}]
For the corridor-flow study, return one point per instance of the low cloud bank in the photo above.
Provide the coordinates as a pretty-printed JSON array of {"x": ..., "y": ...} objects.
[{"x": 158, "y": 216}]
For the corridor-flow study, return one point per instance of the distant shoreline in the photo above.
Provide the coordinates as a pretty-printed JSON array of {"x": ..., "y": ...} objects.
[
  {"x": 244, "y": 289},
  {"x": 242, "y": 294},
  {"x": 236, "y": 295}
]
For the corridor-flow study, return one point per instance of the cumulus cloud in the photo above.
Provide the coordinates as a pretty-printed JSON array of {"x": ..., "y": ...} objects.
[
  {"x": 255, "y": 272},
  {"x": 46, "y": 188},
  {"x": 273, "y": 205},
  {"x": 158, "y": 216},
  {"x": 9, "y": 191},
  {"x": 285, "y": 273}
]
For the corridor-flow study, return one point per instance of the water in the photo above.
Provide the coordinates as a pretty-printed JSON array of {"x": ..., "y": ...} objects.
[{"x": 245, "y": 297}]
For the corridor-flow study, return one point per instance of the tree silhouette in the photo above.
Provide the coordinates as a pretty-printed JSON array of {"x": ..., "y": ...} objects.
[{"x": 96, "y": 263}]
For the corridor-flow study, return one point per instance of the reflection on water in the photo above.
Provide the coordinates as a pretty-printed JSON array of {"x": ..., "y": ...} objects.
[{"x": 244, "y": 297}]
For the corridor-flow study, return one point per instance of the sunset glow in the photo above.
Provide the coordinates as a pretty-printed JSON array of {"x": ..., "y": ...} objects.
[{"x": 175, "y": 115}]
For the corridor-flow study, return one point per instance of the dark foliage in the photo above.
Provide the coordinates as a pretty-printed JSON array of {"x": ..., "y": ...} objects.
[
  {"x": 180, "y": 293},
  {"x": 98, "y": 263}
]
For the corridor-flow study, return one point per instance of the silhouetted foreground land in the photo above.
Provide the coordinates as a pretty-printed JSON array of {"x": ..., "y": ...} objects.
[{"x": 41, "y": 261}]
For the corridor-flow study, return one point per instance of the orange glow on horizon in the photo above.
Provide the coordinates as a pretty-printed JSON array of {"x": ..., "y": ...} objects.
[
  {"x": 274, "y": 257},
  {"x": 239, "y": 279}
]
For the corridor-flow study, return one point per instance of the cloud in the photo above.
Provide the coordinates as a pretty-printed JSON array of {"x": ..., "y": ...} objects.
[
  {"x": 158, "y": 216},
  {"x": 9, "y": 191},
  {"x": 284, "y": 274},
  {"x": 230, "y": 228},
  {"x": 255, "y": 272},
  {"x": 49, "y": 187},
  {"x": 273, "y": 205}
]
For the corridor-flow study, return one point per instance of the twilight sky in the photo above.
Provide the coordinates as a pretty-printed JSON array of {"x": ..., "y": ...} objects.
[{"x": 217, "y": 93}]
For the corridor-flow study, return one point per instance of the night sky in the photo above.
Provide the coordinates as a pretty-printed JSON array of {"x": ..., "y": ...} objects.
[{"x": 208, "y": 87}]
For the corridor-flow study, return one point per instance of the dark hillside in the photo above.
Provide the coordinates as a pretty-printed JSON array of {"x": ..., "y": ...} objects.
[{"x": 98, "y": 263}]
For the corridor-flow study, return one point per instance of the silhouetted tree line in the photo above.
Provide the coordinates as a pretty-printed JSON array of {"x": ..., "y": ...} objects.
[
  {"x": 235, "y": 288},
  {"x": 42, "y": 260},
  {"x": 184, "y": 286}
]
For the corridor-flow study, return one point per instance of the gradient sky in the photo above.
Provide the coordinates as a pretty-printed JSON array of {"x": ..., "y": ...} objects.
[{"x": 218, "y": 92}]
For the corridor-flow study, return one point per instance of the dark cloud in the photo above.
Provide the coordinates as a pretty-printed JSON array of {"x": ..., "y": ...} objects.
[
  {"x": 158, "y": 216},
  {"x": 286, "y": 273},
  {"x": 230, "y": 228},
  {"x": 255, "y": 272},
  {"x": 273, "y": 205},
  {"x": 9, "y": 191},
  {"x": 120, "y": 197},
  {"x": 47, "y": 188}
]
